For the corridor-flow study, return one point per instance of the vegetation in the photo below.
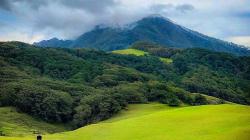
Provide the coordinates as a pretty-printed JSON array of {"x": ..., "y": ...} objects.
[
  {"x": 80, "y": 86},
  {"x": 14, "y": 123},
  {"x": 166, "y": 60},
  {"x": 131, "y": 51},
  {"x": 139, "y": 49},
  {"x": 156, "y": 121}
]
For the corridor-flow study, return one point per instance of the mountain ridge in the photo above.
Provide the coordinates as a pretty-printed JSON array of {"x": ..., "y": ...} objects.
[{"x": 155, "y": 29}]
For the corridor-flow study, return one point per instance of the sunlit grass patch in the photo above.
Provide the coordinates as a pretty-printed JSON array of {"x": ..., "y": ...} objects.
[{"x": 131, "y": 52}]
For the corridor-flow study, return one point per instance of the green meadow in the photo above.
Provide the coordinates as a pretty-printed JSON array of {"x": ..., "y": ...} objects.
[
  {"x": 166, "y": 60},
  {"x": 140, "y": 53},
  {"x": 160, "y": 122},
  {"x": 131, "y": 52}
]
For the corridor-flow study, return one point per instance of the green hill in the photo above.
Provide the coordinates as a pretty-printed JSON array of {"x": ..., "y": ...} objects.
[
  {"x": 82, "y": 86},
  {"x": 13, "y": 123},
  {"x": 158, "y": 122}
]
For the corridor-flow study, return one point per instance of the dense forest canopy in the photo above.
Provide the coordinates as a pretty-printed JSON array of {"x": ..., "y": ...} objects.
[{"x": 81, "y": 86}]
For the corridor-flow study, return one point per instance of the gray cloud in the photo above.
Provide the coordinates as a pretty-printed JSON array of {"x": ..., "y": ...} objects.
[
  {"x": 10, "y": 5},
  {"x": 43, "y": 19},
  {"x": 169, "y": 9},
  {"x": 5, "y": 5},
  {"x": 158, "y": 8},
  {"x": 93, "y": 6},
  {"x": 62, "y": 18},
  {"x": 185, "y": 7}
]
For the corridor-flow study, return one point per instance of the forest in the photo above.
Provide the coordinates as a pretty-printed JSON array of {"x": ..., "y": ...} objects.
[{"x": 82, "y": 86}]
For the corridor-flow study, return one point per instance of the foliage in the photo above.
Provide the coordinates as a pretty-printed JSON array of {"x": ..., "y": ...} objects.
[
  {"x": 81, "y": 86},
  {"x": 14, "y": 123}
]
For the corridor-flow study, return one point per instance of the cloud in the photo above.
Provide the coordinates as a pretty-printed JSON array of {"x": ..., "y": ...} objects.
[
  {"x": 159, "y": 8},
  {"x": 5, "y": 4},
  {"x": 68, "y": 19},
  {"x": 10, "y": 5},
  {"x": 61, "y": 18},
  {"x": 170, "y": 8},
  {"x": 185, "y": 8},
  {"x": 242, "y": 40},
  {"x": 93, "y": 6}
]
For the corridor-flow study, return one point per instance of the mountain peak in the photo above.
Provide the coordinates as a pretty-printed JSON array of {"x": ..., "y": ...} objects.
[
  {"x": 157, "y": 17},
  {"x": 154, "y": 28}
]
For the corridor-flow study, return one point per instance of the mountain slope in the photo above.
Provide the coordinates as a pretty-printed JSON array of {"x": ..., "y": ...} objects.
[
  {"x": 155, "y": 29},
  {"x": 54, "y": 42},
  {"x": 82, "y": 86}
]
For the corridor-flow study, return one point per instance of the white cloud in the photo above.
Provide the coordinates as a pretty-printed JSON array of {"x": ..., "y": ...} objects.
[
  {"x": 19, "y": 36},
  {"x": 242, "y": 40}
]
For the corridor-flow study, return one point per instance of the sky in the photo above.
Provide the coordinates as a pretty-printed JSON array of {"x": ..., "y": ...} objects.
[{"x": 34, "y": 20}]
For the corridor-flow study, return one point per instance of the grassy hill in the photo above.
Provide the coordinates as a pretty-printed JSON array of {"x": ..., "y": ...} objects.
[
  {"x": 82, "y": 86},
  {"x": 158, "y": 122},
  {"x": 13, "y": 123}
]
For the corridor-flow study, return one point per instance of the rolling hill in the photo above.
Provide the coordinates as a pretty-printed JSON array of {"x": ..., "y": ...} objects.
[
  {"x": 14, "y": 123},
  {"x": 156, "y": 121},
  {"x": 81, "y": 87},
  {"x": 155, "y": 29}
]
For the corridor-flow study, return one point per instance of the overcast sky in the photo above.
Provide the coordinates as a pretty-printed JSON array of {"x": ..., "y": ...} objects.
[{"x": 35, "y": 20}]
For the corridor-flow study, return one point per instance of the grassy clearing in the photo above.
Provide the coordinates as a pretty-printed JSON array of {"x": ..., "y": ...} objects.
[
  {"x": 140, "y": 53},
  {"x": 159, "y": 122},
  {"x": 13, "y": 123},
  {"x": 131, "y": 52},
  {"x": 166, "y": 60}
]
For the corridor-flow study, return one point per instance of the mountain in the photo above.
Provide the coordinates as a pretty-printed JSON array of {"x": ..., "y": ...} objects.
[
  {"x": 153, "y": 28},
  {"x": 54, "y": 42}
]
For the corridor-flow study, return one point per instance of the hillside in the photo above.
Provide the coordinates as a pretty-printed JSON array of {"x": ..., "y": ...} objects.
[
  {"x": 156, "y": 29},
  {"x": 154, "y": 121},
  {"x": 137, "y": 52},
  {"x": 83, "y": 86},
  {"x": 14, "y": 123},
  {"x": 54, "y": 42}
]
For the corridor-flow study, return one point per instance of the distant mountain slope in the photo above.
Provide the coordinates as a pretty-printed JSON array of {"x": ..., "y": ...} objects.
[
  {"x": 155, "y": 29},
  {"x": 54, "y": 42}
]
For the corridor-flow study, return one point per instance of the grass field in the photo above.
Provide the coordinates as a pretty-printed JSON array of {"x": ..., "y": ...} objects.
[
  {"x": 140, "y": 53},
  {"x": 13, "y": 123},
  {"x": 166, "y": 60},
  {"x": 131, "y": 51},
  {"x": 160, "y": 122}
]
